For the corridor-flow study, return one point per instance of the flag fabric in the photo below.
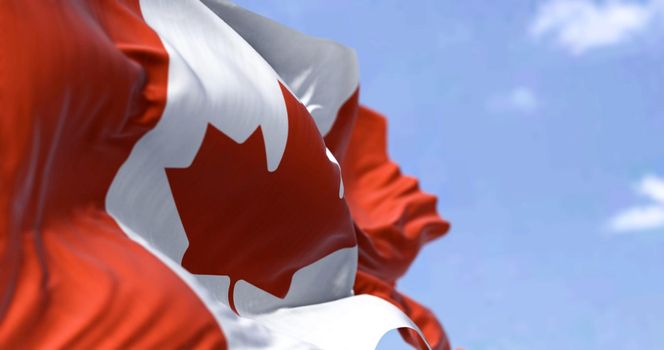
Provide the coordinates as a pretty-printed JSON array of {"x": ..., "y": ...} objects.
[{"x": 185, "y": 174}]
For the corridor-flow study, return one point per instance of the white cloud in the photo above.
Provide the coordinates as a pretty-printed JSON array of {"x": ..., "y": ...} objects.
[
  {"x": 653, "y": 187},
  {"x": 581, "y": 25},
  {"x": 643, "y": 217},
  {"x": 520, "y": 99},
  {"x": 523, "y": 99},
  {"x": 639, "y": 219}
]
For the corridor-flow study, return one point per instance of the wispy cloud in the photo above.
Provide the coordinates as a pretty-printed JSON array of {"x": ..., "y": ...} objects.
[
  {"x": 643, "y": 217},
  {"x": 581, "y": 25},
  {"x": 653, "y": 187},
  {"x": 520, "y": 99}
]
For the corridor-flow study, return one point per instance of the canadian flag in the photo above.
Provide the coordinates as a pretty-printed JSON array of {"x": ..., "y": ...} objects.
[{"x": 185, "y": 174}]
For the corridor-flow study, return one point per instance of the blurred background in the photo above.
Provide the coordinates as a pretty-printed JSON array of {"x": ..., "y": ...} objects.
[{"x": 540, "y": 127}]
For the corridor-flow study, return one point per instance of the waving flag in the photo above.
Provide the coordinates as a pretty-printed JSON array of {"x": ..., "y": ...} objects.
[{"x": 184, "y": 174}]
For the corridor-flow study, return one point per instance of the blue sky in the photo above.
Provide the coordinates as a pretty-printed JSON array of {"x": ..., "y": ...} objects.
[{"x": 540, "y": 126}]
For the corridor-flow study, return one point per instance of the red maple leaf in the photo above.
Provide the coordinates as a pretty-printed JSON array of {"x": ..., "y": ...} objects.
[{"x": 259, "y": 226}]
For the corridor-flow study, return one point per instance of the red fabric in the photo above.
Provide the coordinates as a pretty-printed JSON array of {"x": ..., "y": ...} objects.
[
  {"x": 394, "y": 218},
  {"x": 338, "y": 138},
  {"x": 80, "y": 83},
  {"x": 293, "y": 214},
  {"x": 100, "y": 290}
]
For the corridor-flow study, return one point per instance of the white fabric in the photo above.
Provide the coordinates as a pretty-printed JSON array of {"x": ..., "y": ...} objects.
[
  {"x": 215, "y": 76},
  {"x": 240, "y": 332},
  {"x": 356, "y": 322},
  {"x": 321, "y": 73}
]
